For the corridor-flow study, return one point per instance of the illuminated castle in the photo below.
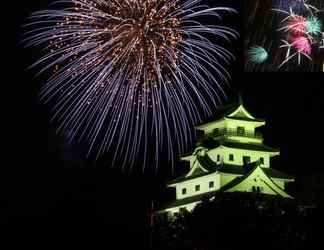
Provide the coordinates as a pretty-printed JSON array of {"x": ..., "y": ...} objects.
[{"x": 230, "y": 157}]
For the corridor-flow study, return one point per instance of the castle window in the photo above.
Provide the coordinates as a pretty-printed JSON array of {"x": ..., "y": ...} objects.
[
  {"x": 261, "y": 160},
  {"x": 197, "y": 187},
  {"x": 240, "y": 130},
  {"x": 231, "y": 157},
  {"x": 211, "y": 184},
  {"x": 216, "y": 132},
  {"x": 184, "y": 191},
  {"x": 254, "y": 189},
  {"x": 246, "y": 159},
  {"x": 218, "y": 157}
]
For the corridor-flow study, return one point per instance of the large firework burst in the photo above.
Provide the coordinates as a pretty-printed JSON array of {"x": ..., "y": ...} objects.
[{"x": 126, "y": 70}]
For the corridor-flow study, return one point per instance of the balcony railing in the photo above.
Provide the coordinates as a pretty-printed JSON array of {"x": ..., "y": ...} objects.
[{"x": 234, "y": 132}]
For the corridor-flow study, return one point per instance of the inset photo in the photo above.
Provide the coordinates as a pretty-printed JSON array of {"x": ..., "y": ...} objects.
[{"x": 284, "y": 35}]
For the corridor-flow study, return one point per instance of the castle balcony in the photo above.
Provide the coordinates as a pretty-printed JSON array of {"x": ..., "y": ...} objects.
[
  {"x": 237, "y": 134},
  {"x": 240, "y": 135}
]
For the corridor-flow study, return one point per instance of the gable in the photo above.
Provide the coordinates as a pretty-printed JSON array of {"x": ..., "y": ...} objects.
[
  {"x": 256, "y": 177},
  {"x": 241, "y": 112},
  {"x": 196, "y": 169}
]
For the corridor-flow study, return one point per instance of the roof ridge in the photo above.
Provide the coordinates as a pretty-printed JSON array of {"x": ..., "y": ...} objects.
[
  {"x": 241, "y": 178},
  {"x": 275, "y": 185}
]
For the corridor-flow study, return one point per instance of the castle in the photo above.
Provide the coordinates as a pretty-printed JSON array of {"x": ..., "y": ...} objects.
[{"x": 230, "y": 157}]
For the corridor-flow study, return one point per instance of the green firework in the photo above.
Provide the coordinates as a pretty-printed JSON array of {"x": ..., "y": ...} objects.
[
  {"x": 257, "y": 54},
  {"x": 313, "y": 26}
]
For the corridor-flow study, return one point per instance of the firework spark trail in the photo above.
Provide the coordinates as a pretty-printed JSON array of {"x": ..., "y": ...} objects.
[
  {"x": 124, "y": 71},
  {"x": 299, "y": 7}
]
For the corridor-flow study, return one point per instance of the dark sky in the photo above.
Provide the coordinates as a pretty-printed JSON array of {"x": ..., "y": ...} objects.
[{"x": 50, "y": 186}]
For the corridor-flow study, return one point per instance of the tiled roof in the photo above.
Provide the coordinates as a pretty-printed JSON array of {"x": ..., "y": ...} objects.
[
  {"x": 207, "y": 163},
  {"x": 211, "y": 166},
  {"x": 248, "y": 146},
  {"x": 273, "y": 186},
  {"x": 245, "y": 119},
  {"x": 245, "y": 171},
  {"x": 189, "y": 200},
  {"x": 226, "y": 110}
]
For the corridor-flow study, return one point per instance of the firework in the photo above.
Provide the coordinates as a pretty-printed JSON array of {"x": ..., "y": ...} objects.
[
  {"x": 302, "y": 45},
  {"x": 129, "y": 70},
  {"x": 313, "y": 26},
  {"x": 257, "y": 54},
  {"x": 297, "y": 48},
  {"x": 295, "y": 24},
  {"x": 300, "y": 30}
]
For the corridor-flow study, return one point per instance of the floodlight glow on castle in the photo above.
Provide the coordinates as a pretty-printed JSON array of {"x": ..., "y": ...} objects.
[{"x": 234, "y": 160}]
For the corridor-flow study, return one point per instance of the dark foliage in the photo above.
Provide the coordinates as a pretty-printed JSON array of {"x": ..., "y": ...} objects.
[{"x": 234, "y": 221}]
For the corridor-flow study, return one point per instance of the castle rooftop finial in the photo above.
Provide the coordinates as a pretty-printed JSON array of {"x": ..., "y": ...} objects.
[{"x": 240, "y": 98}]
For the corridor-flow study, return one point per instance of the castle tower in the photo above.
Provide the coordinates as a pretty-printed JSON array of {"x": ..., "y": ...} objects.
[{"x": 230, "y": 157}]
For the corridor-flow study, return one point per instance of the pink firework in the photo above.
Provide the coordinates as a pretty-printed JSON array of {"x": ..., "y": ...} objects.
[
  {"x": 296, "y": 25},
  {"x": 302, "y": 45}
]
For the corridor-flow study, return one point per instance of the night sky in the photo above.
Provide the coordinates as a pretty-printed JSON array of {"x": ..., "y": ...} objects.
[{"x": 51, "y": 191}]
